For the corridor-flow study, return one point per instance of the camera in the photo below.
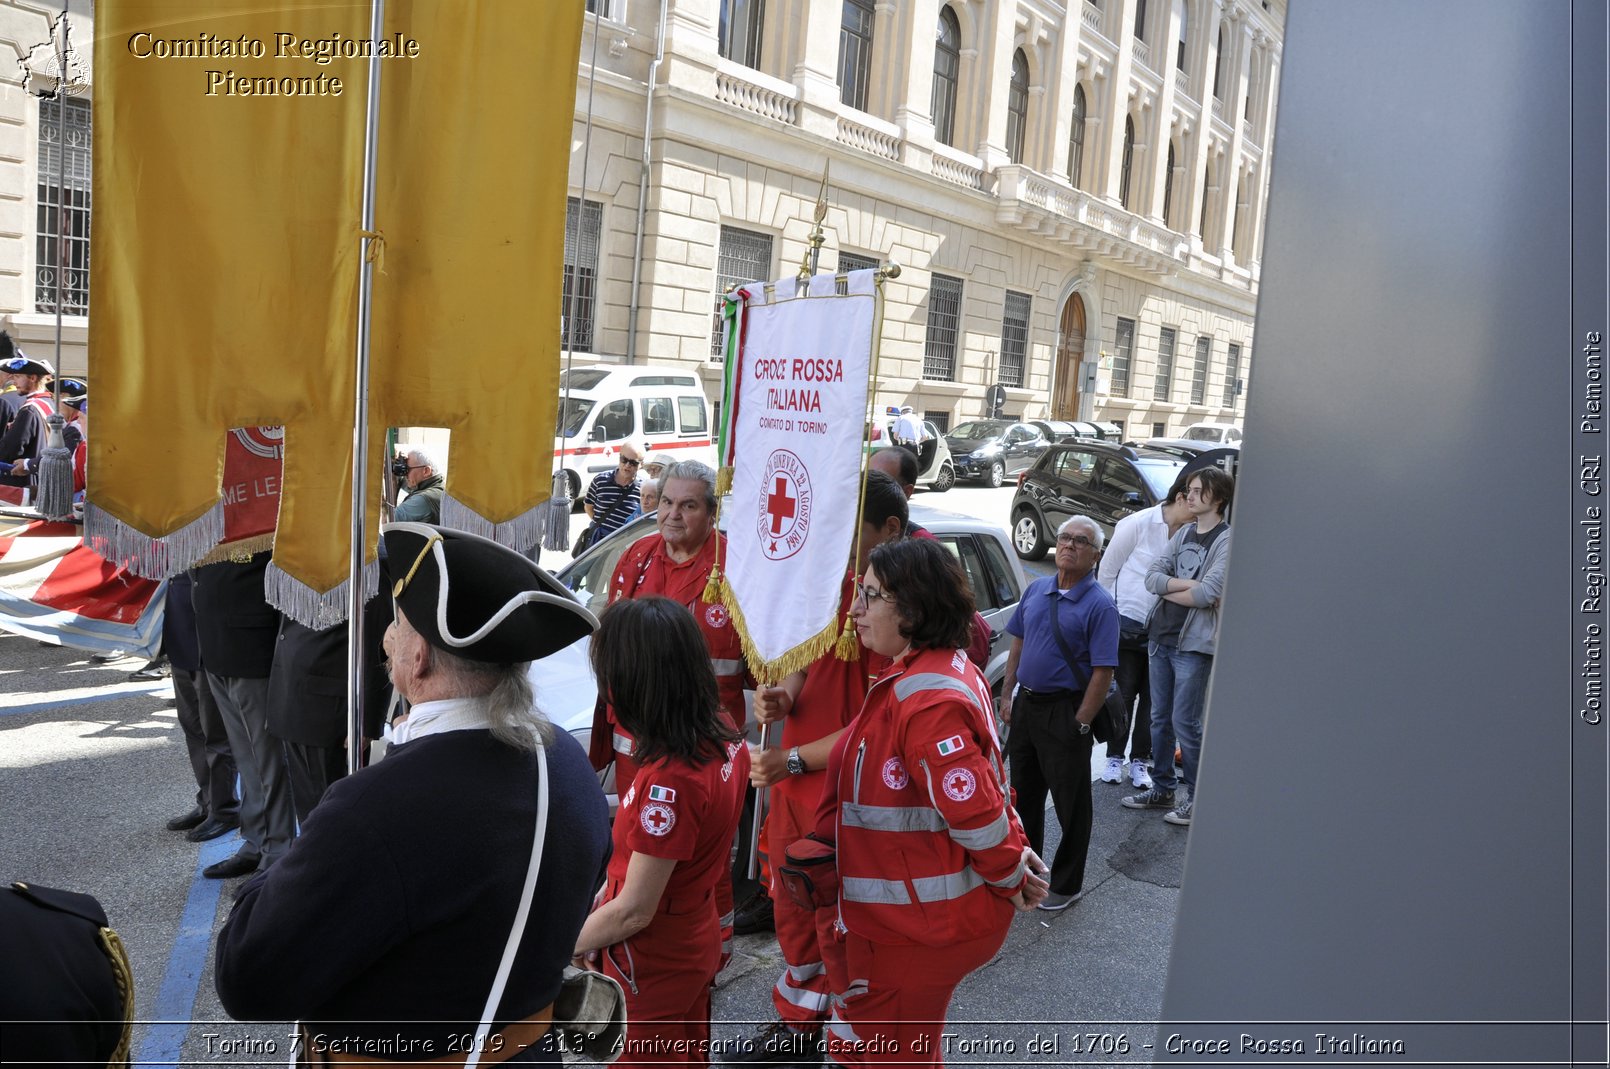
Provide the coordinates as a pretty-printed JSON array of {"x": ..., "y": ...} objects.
[{"x": 399, "y": 467}]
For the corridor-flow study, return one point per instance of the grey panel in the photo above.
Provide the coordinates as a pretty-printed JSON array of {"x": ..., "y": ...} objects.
[{"x": 1382, "y": 830}]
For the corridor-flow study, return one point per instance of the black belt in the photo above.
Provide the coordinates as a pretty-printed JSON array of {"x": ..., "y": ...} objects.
[{"x": 1050, "y": 695}]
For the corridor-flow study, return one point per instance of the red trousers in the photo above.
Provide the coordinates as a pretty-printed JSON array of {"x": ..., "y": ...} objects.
[
  {"x": 667, "y": 971},
  {"x": 801, "y": 991},
  {"x": 894, "y": 1008}
]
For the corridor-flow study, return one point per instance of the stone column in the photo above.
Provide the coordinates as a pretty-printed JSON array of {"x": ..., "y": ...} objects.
[
  {"x": 912, "y": 102},
  {"x": 816, "y": 73}
]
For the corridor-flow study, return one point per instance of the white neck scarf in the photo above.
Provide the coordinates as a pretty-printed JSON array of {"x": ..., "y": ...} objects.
[{"x": 449, "y": 714}]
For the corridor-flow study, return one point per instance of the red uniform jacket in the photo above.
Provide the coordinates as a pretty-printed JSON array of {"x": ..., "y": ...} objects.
[{"x": 929, "y": 846}]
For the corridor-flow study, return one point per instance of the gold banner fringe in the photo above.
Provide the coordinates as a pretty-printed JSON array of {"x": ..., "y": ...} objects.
[
  {"x": 118, "y": 957},
  {"x": 797, "y": 659},
  {"x": 238, "y": 552}
]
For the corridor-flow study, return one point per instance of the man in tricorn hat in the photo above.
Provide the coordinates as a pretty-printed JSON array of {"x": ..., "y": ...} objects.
[
  {"x": 25, "y": 437},
  {"x": 383, "y": 927}
]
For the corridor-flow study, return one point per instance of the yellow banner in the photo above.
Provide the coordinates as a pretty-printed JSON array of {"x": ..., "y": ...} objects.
[{"x": 225, "y": 263}]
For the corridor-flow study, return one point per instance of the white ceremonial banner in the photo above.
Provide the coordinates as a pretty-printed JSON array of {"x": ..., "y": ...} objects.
[{"x": 799, "y": 420}]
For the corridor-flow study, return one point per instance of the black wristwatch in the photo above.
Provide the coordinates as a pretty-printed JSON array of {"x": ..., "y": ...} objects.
[{"x": 796, "y": 763}]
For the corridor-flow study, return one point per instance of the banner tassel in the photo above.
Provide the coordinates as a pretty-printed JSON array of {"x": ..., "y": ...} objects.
[
  {"x": 848, "y": 647},
  {"x": 307, "y": 606},
  {"x": 713, "y": 590},
  {"x": 519, "y": 534},
  {"x": 723, "y": 481},
  {"x": 556, "y": 522},
  {"x": 55, "y": 473},
  {"x": 153, "y": 558}
]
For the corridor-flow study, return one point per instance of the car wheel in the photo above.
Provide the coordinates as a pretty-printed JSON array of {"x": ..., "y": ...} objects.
[
  {"x": 997, "y": 475},
  {"x": 1027, "y": 537},
  {"x": 947, "y": 479},
  {"x": 574, "y": 481}
]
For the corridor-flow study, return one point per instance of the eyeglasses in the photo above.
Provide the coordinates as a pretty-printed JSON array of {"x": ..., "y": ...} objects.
[
  {"x": 1076, "y": 541},
  {"x": 630, "y": 463},
  {"x": 867, "y": 595}
]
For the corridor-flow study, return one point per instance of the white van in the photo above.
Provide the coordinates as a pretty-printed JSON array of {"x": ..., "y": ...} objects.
[{"x": 658, "y": 409}]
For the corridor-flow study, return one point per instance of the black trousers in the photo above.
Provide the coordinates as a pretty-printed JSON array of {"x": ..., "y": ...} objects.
[
  {"x": 1049, "y": 755},
  {"x": 311, "y": 770},
  {"x": 1135, "y": 684},
  {"x": 211, "y": 760}
]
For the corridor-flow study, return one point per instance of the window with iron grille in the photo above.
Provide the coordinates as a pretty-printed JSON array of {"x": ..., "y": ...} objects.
[
  {"x": 64, "y": 211},
  {"x": 947, "y": 72},
  {"x": 1129, "y": 161},
  {"x": 744, "y": 256},
  {"x": 1123, "y": 351},
  {"x": 1165, "y": 365},
  {"x": 944, "y": 327},
  {"x": 1017, "y": 107},
  {"x": 741, "y": 24},
  {"x": 855, "y": 53},
  {"x": 1014, "y": 338},
  {"x": 940, "y": 418},
  {"x": 1076, "y": 136},
  {"x": 852, "y": 261},
  {"x": 1159, "y": 430},
  {"x": 583, "y": 221},
  {"x": 1232, "y": 375},
  {"x": 1204, "y": 350}
]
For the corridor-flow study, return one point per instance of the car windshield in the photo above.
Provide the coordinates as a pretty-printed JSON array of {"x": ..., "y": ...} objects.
[
  {"x": 978, "y": 430},
  {"x": 1159, "y": 473},
  {"x": 1202, "y": 434},
  {"x": 585, "y": 378},
  {"x": 575, "y": 414}
]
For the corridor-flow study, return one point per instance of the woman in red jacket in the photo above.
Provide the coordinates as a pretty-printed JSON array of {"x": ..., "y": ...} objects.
[
  {"x": 656, "y": 928},
  {"x": 932, "y": 859}
]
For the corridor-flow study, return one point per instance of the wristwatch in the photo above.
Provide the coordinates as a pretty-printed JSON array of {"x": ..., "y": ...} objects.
[
  {"x": 1084, "y": 729},
  {"x": 796, "y": 763}
]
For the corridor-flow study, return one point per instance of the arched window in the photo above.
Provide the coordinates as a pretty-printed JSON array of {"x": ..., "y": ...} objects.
[
  {"x": 1017, "y": 107},
  {"x": 855, "y": 53},
  {"x": 1168, "y": 189},
  {"x": 947, "y": 70},
  {"x": 1218, "y": 68},
  {"x": 1076, "y": 136},
  {"x": 1129, "y": 161}
]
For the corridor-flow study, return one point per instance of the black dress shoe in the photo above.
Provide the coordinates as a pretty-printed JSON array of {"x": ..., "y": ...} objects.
[
  {"x": 243, "y": 863},
  {"x": 211, "y": 828},
  {"x": 188, "y": 821},
  {"x": 754, "y": 915}
]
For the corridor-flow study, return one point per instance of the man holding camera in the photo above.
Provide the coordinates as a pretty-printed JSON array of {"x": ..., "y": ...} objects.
[{"x": 423, "y": 504}]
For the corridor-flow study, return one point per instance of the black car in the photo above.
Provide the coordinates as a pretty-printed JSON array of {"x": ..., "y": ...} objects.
[
  {"x": 1197, "y": 453},
  {"x": 988, "y": 450},
  {"x": 1097, "y": 479}
]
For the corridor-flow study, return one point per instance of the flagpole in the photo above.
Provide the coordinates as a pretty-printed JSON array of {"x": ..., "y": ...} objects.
[{"x": 360, "y": 404}]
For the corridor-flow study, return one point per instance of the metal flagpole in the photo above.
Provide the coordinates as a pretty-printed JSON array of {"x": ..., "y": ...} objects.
[{"x": 360, "y": 403}]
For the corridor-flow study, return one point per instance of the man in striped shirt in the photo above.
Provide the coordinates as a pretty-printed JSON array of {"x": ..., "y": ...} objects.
[{"x": 612, "y": 498}]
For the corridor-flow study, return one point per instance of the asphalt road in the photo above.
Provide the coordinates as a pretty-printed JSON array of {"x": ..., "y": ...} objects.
[{"x": 91, "y": 766}]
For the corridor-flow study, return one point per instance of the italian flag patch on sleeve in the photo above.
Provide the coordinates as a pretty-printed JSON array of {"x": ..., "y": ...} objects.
[
  {"x": 954, "y": 744},
  {"x": 661, "y": 794}
]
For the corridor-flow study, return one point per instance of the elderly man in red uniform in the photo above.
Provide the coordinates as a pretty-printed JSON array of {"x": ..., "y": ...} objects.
[
  {"x": 676, "y": 563},
  {"x": 814, "y": 705}
]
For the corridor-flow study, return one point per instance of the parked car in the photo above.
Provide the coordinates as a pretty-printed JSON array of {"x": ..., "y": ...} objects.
[
  {"x": 1197, "y": 453},
  {"x": 607, "y": 405},
  {"x": 1214, "y": 432},
  {"x": 1097, "y": 479},
  {"x": 1066, "y": 430},
  {"x": 564, "y": 682},
  {"x": 988, "y": 450},
  {"x": 935, "y": 468}
]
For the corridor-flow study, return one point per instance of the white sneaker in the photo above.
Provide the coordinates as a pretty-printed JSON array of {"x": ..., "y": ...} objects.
[
  {"x": 1139, "y": 776},
  {"x": 1115, "y": 771}
]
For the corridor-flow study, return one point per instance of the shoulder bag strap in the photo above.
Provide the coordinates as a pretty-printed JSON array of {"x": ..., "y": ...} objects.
[
  {"x": 1056, "y": 629},
  {"x": 520, "y": 916}
]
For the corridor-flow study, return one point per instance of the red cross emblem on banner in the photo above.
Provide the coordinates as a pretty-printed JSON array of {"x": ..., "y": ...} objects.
[{"x": 785, "y": 505}]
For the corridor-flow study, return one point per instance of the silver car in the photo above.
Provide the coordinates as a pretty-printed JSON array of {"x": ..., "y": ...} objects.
[{"x": 564, "y": 681}]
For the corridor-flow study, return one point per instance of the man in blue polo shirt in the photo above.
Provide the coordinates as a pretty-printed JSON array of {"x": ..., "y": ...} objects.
[{"x": 1064, "y": 649}]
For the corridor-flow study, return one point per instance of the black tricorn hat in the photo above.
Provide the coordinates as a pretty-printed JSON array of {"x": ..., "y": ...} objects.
[{"x": 477, "y": 599}]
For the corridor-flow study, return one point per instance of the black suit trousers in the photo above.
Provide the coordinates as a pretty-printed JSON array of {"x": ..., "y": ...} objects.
[{"x": 1049, "y": 755}]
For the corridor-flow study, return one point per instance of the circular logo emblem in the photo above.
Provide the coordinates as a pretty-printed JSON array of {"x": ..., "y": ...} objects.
[
  {"x": 658, "y": 818},
  {"x": 894, "y": 774},
  {"x": 959, "y": 785},
  {"x": 266, "y": 442},
  {"x": 717, "y": 615},
  {"x": 785, "y": 505}
]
